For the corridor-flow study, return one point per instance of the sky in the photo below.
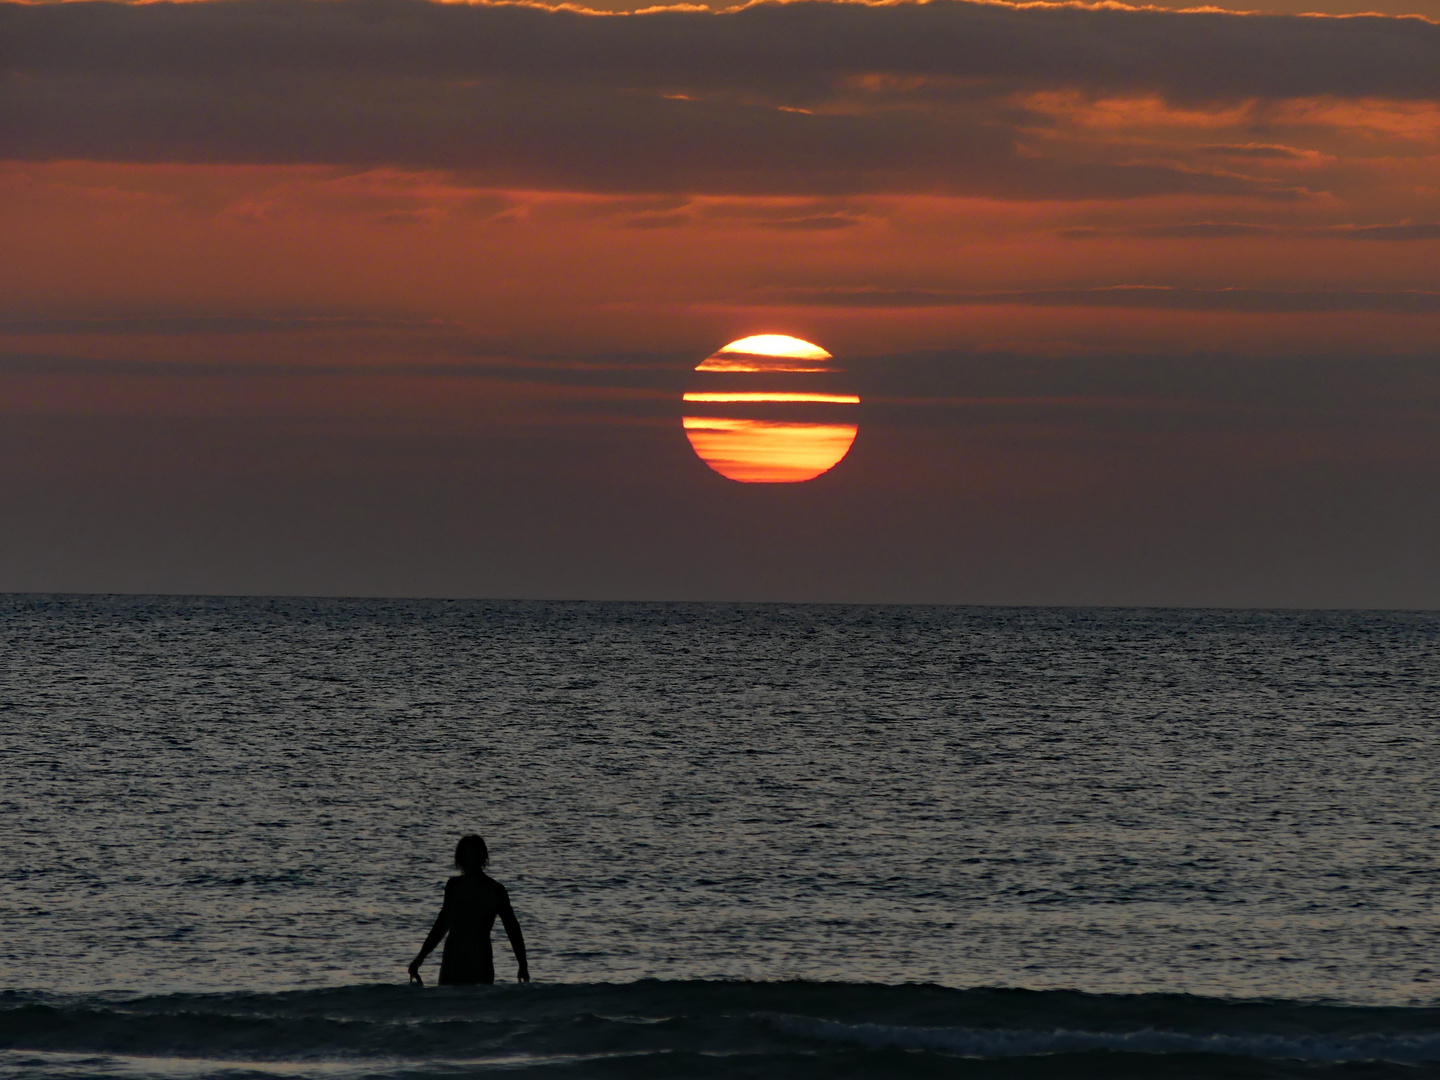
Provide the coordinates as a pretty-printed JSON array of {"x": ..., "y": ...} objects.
[{"x": 391, "y": 297}]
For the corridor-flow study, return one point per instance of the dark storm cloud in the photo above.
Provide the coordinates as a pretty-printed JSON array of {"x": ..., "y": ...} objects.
[
  {"x": 903, "y": 98},
  {"x": 1152, "y": 297}
]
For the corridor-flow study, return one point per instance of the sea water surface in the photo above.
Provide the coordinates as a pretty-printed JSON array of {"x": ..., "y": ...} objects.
[{"x": 743, "y": 840}]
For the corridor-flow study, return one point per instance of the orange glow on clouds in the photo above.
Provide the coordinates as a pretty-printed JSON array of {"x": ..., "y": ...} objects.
[{"x": 763, "y": 449}]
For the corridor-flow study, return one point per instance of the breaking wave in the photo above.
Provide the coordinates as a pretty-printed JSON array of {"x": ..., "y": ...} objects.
[{"x": 652, "y": 1028}]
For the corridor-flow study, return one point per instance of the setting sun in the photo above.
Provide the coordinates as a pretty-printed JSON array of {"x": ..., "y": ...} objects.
[{"x": 771, "y": 430}]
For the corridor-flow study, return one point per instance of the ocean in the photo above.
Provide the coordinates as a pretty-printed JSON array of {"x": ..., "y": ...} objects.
[{"x": 742, "y": 840}]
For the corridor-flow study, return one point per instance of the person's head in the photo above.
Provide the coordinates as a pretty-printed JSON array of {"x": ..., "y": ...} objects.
[{"x": 471, "y": 854}]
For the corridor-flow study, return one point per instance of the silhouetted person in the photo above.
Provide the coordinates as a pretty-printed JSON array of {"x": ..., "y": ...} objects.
[{"x": 472, "y": 901}]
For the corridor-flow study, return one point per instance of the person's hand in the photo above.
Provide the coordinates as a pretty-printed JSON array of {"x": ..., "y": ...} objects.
[
  {"x": 523, "y": 975},
  {"x": 415, "y": 972}
]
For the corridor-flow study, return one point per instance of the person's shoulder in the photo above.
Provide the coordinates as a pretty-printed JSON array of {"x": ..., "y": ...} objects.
[{"x": 451, "y": 884}]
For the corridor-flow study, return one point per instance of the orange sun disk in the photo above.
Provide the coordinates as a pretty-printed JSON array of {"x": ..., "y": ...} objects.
[{"x": 770, "y": 429}]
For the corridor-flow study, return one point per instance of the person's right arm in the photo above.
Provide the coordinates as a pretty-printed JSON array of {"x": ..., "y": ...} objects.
[{"x": 437, "y": 932}]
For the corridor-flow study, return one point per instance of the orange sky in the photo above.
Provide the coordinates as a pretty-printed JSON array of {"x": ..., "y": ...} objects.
[{"x": 374, "y": 252}]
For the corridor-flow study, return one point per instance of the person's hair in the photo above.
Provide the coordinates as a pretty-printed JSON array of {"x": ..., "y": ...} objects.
[{"x": 471, "y": 854}]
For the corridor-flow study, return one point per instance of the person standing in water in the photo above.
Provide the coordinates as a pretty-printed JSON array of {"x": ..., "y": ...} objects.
[{"x": 472, "y": 900}]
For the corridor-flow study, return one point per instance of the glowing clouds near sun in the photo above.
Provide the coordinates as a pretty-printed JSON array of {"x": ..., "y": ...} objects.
[{"x": 767, "y": 410}]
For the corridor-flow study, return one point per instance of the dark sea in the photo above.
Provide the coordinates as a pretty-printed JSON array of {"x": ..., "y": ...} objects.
[{"x": 743, "y": 840}]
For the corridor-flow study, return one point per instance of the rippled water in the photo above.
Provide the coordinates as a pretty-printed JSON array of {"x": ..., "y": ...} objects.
[{"x": 224, "y": 795}]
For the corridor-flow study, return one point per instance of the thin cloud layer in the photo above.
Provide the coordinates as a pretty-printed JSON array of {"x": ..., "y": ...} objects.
[
  {"x": 1229, "y": 230},
  {"x": 818, "y": 98},
  {"x": 1144, "y": 297}
]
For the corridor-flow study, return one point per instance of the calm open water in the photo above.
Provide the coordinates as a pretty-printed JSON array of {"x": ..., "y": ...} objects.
[{"x": 1207, "y": 842}]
